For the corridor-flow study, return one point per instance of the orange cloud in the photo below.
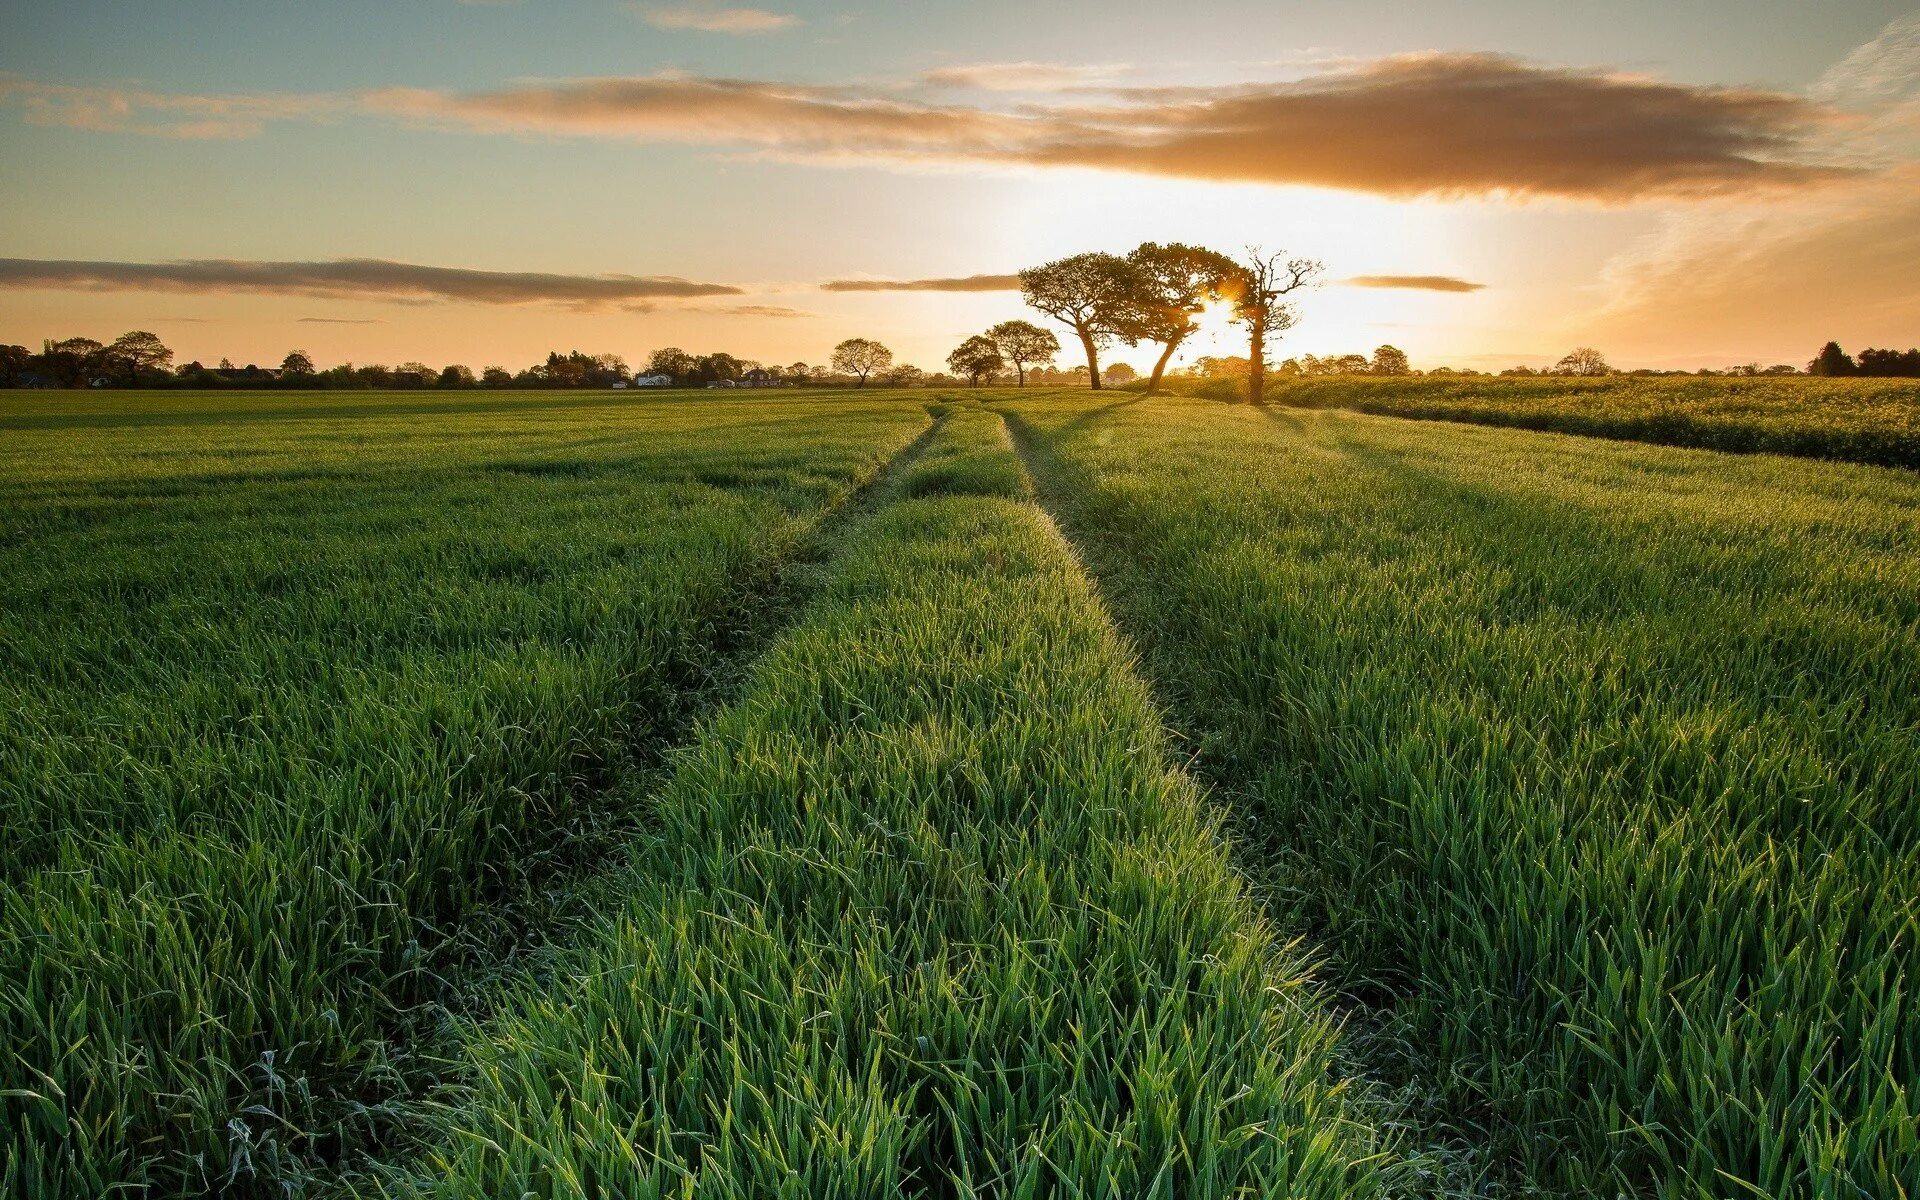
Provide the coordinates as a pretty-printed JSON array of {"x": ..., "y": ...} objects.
[
  {"x": 1412, "y": 125},
  {"x": 969, "y": 283},
  {"x": 1449, "y": 125},
  {"x": 1019, "y": 76},
  {"x": 816, "y": 120},
  {"x": 1419, "y": 283},
  {"x": 356, "y": 278},
  {"x": 162, "y": 114},
  {"x": 771, "y": 311}
]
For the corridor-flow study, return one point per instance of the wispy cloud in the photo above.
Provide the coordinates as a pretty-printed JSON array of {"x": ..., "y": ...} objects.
[
  {"x": 1021, "y": 76},
  {"x": 968, "y": 283},
  {"x": 1785, "y": 276},
  {"x": 355, "y": 278},
  {"x": 106, "y": 109},
  {"x": 719, "y": 20},
  {"x": 771, "y": 311},
  {"x": 348, "y": 320},
  {"x": 1418, "y": 283}
]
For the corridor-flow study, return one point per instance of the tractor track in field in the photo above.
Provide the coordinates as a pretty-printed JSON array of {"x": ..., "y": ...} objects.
[
  {"x": 491, "y": 944},
  {"x": 1442, "y": 1159}
]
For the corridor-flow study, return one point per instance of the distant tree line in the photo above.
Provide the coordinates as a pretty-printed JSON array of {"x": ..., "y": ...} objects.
[
  {"x": 141, "y": 359},
  {"x": 1897, "y": 364}
]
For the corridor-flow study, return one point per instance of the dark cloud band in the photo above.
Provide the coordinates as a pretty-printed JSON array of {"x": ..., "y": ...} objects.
[
  {"x": 356, "y": 278},
  {"x": 1417, "y": 283},
  {"x": 968, "y": 283}
]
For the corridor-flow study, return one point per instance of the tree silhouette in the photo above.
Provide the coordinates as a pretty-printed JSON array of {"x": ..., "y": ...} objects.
[
  {"x": 1390, "y": 360},
  {"x": 70, "y": 362},
  {"x": 976, "y": 357},
  {"x": 139, "y": 351},
  {"x": 1832, "y": 360},
  {"x": 1092, "y": 294},
  {"x": 861, "y": 357},
  {"x": 1583, "y": 361},
  {"x": 1173, "y": 283},
  {"x": 14, "y": 362},
  {"x": 1890, "y": 362},
  {"x": 1259, "y": 291},
  {"x": 670, "y": 361},
  {"x": 1024, "y": 344}
]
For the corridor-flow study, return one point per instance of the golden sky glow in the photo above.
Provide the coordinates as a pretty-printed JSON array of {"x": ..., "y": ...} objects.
[{"x": 1700, "y": 184}]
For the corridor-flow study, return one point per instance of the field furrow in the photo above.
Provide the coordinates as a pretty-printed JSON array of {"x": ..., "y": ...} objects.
[{"x": 925, "y": 912}]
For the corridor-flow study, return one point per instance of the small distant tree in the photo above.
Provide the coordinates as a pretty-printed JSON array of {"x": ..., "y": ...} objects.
[
  {"x": 798, "y": 372},
  {"x": 296, "y": 365},
  {"x": 861, "y": 357},
  {"x": 718, "y": 367},
  {"x": 414, "y": 375},
  {"x": 14, "y": 364},
  {"x": 1348, "y": 364},
  {"x": 1119, "y": 374},
  {"x": 1259, "y": 293},
  {"x": 1391, "y": 360},
  {"x": 977, "y": 358},
  {"x": 670, "y": 361},
  {"x": 1585, "y": 361},
  {"x": 1781, "y": 369},
  {"x": 1832, "y": 360},
  {"x": 70, "y": 362},
  {"x": 496, "y": 377},
  {"x": 1225, "y": 366},
  {"x": 1095, "y": 295},
  {"x": 607, "y": 370},
  {"x": 138, "y": 351},
  {"x": 1025, "y": 345},
  {"x": 906, "y": 375},
  {"x": 455, "y": 376}
]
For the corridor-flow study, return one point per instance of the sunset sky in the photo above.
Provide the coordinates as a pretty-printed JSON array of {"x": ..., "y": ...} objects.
[{"x": 1677, "y": 182}]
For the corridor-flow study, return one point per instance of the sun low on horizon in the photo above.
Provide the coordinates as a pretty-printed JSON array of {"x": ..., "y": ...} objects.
[{"x": 1489, "y": 184}]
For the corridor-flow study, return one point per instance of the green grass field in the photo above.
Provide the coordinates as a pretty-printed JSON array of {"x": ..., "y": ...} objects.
[
  {"x": 570, "y": 794},
  {"x": 1594, "y": 766},
  {"x": 288, "y": 692},
  {"x": 1850, "y": 420}
]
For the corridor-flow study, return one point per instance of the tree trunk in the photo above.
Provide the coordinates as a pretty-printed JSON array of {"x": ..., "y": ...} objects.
[
  {"x": 1257, "y": 361},
  {"x": 1160, "y": 368},
  {"x": 1093, "y": 359},
  {"x": 1022, "y": 369}
]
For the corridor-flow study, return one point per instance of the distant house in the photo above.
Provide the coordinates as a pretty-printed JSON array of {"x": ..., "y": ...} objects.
[
  {"x": 759, "y": 377},
  {"x": 653, "y": 381}
]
